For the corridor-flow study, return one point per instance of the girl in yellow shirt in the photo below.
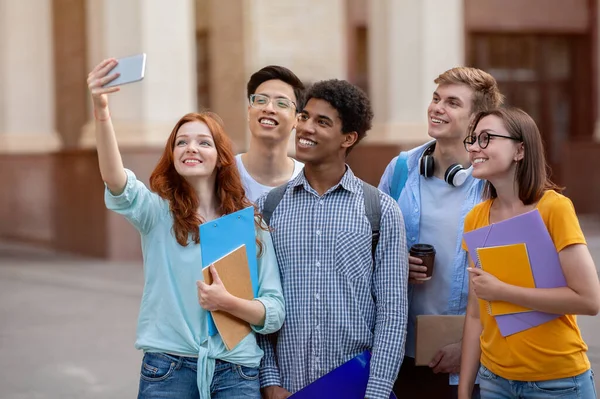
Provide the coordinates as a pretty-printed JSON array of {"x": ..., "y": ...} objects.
[{"x": 549, "y": 360}]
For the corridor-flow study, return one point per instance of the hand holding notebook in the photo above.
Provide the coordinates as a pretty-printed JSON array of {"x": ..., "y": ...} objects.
[
  {"x": 234, "y": 274},
  {"x": 509, "y": 264},
  {"x": 528, "y": 228}
]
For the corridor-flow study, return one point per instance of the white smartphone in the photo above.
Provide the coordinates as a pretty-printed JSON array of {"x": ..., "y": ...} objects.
[{"x": 131, "y": 70}]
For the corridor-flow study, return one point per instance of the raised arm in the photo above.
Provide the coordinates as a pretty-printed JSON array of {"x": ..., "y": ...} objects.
[{"x": 109, "y": 157}]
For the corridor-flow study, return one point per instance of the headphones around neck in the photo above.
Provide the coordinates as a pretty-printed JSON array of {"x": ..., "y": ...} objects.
[{"x": 455, "y": 175}]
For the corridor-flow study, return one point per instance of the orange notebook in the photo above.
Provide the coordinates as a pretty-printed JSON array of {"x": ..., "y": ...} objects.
[
  {"x": 510, "y": 264},
  {"x": 235, "y": 275}
]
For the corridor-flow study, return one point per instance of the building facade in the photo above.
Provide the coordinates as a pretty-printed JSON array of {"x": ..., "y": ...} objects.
[{"x": 543, "y": 53}]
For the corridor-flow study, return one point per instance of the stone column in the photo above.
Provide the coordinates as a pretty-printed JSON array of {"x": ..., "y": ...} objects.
[
  {"x": 145, "y": 112},
  {"x": 308, "y": 36},
  {"x": 411, "y": 42},
  {"x": 27, "y": 118}
]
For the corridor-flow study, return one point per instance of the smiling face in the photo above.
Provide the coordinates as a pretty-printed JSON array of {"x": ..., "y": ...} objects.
[
  {"x": 319, "y": 137},
  {"x": 272, "y": 122},
  {"x": 195, "y": 154},
  {"x": 501, "y": 155},
  {"x": 449, "y": 112}
]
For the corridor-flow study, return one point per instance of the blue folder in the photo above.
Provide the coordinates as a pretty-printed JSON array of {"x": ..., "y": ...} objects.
[
  {"x": 348, "y": 381},
  {"x": 221, "y": 236}
]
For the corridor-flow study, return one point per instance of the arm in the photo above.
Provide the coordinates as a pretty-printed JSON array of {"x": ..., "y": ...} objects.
[
  {"x": 265, "y": 313},
  {"x": 580, "y": 296},
  {"x": 390, "y": 285},
  {"x": 125, "y": 194},
  {"x": 270, "y": 380},
  {"x": 109, "y": 157},
  {"x": 471, "y": 349},
  {"x": 270, "y": 293},
  {"x": 386, "y": 178}
]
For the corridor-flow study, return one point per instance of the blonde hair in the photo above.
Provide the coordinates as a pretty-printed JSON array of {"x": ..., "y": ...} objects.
[{"x": 486, "y": 94}]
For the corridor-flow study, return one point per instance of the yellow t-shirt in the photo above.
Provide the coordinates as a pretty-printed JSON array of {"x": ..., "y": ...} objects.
[{"x": 551, "y": 350}]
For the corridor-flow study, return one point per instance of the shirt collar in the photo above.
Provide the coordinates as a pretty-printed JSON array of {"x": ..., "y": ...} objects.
[{"x": 348, "y": 182}]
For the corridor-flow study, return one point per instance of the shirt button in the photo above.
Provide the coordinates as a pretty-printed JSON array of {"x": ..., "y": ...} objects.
[
  {"x": 317, "y": 296},
  {"x": 321, "y": 202},
  {"x": 318, "y": 232},
  {"x": 318, "y": 264},
  {"x": 317, "y": 328}
]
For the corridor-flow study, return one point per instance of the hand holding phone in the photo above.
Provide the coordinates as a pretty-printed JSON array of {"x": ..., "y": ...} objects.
[{"x": 130, "y": 69}]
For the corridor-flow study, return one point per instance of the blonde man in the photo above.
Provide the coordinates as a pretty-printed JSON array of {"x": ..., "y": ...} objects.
[{"x": 435, "y": 190}]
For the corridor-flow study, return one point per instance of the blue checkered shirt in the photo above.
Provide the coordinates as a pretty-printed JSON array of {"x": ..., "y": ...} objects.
[{"x": 337, "y": 302}]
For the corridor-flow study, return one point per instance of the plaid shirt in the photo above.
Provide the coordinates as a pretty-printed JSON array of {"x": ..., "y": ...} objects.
[{"x": 337, "y": 302}]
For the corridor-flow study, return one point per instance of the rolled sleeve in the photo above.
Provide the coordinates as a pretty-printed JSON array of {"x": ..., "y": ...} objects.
[
  {"x": 136, "y": 203},
  {"x": 270, "y": 293},
  {"x": 125, "y": 199},
  {"x": 390, "y": 285}
]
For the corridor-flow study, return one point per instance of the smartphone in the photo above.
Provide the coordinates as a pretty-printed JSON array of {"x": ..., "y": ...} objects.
[{"x": 131, "y": 70}]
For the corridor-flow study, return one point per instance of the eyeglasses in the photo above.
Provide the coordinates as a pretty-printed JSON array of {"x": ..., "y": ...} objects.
[
  {"x": 260, "y": 101},
  {"x": 483, "y": 140}
]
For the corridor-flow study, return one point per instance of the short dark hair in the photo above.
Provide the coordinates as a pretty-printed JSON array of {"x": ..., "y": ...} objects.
[
  {"x": 351, "y": 103},
  {"x": 276, "y": 72}
]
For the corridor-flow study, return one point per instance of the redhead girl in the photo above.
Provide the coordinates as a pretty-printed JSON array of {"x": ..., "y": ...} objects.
[
  {"x": 547, "y": 361},
  {"x": 195, "y": 181}
]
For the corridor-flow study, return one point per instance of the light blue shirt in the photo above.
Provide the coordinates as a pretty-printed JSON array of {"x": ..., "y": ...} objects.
[
  {"x": 171, "y": 319},
  {"x": 411, "y": 205}
]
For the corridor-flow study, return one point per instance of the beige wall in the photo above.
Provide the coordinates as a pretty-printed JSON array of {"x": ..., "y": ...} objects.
[
  {"x": 411, "y": 42},
  {"x": 144, "y": 113},
  {"x": 27, "y": 117}
]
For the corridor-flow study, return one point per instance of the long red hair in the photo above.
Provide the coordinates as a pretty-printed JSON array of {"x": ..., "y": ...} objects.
[{"x": 183, "y": 201}]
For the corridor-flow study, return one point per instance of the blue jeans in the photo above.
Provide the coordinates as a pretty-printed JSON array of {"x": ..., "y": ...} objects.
[
  {"x": 166, "y": 376},
  {"x": 495, "y": 387}
]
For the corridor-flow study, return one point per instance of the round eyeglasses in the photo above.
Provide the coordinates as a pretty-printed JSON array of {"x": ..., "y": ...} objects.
[
  {"x": 483, "y": 140},
  {"x": 260, "y": 101}
]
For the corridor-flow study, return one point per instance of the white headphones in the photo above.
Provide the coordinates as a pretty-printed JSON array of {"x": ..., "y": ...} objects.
[{"x": 455, "y": 175}]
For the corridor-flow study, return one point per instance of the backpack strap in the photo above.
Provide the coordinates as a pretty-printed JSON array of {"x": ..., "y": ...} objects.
[
  {"x": 273, "y": 199},
  {"x": 400, "y": 175},
  {"x": 373, "y": 213}
]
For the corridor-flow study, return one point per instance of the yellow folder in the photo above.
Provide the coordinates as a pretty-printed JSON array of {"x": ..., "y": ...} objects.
[{"x": 510, "y": 264}]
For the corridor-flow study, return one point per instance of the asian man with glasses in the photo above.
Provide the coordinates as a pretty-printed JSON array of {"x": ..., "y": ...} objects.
[{"x": 274, "y": 99}]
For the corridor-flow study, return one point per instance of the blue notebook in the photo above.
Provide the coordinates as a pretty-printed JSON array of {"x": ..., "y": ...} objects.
[
  {"x": 348, "y": 381},
  {"x": 223, "y": 235}
]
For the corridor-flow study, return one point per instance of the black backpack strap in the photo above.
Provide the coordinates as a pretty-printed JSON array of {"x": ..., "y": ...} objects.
[
  {"x": 373, "y": 213},
  {"x": 273, "y": 199}
]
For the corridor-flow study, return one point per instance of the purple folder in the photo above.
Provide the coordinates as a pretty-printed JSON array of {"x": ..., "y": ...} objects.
[
  {"x": 528, "y": 228},
  {"x": 348, "y": 381}
]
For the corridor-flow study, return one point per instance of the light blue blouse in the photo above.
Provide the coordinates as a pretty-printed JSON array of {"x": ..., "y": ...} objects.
[{"x": 171, "y": 319}]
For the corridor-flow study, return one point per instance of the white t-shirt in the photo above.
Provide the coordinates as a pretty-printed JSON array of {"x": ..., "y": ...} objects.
[{"x": 253, "y": 188}]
